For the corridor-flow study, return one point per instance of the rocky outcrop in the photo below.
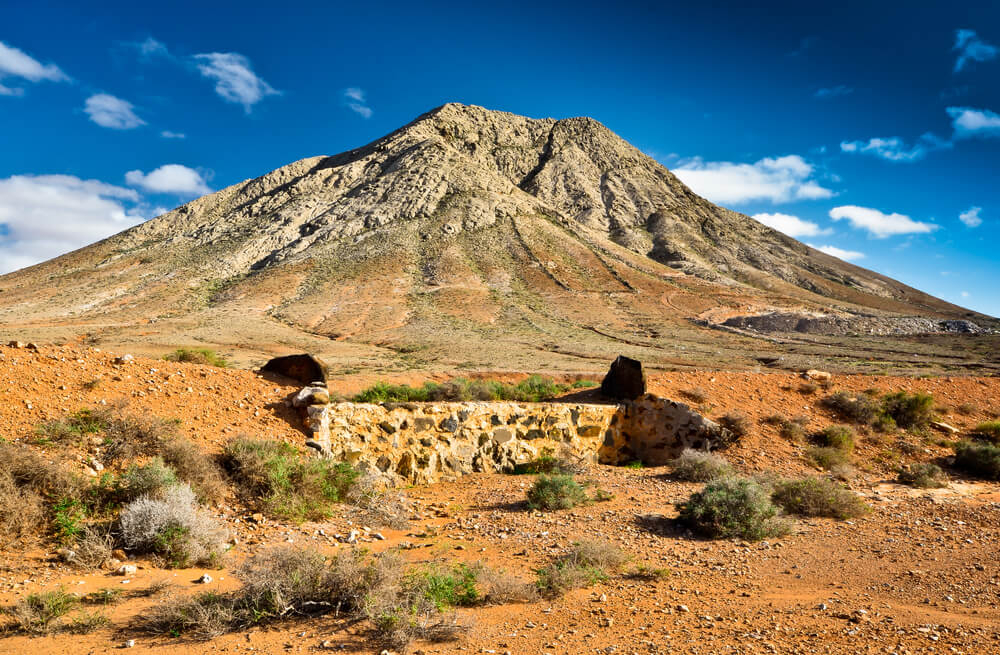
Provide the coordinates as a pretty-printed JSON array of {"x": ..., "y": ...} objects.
[
  {"x": 655, "y": 430},
  {"x": 302, "y": 368},
  {"x": 850, "y": 325},
  {"x": 625, "y": 379}
]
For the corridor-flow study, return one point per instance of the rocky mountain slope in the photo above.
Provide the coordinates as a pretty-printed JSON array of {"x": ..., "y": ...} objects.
[{"x": 469, "y": 238}]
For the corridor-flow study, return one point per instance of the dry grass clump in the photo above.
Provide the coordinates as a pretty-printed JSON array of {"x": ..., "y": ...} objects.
[
  {"x": 204, "y": 356},
  {"x": 923, "y": 476},
  {"x": 818, "y": 497},
  {"x": 698, "y": 466},
  {"x": 93, "y": 547},
  {"x": 40, "y": 613},
  {"x": 380, "y": 505},
  {"x": 283, "y": 482},
  {"x": 586, "y": 563},
  {"x": 732, "y": 507},
  {"x": 736, "y": 422},
  {"x": 152, "y": 479},
  {"x": 173, "y": 527},
  {"x": 71, "y": 428},
  {"x": 22, "y": 512},
  {"x": 128, "y": 436},
  {"x": 194, "y": 467},
  {"x": 697, "y": 395},
  {"x": 830, "y": 459},
  {"x": 501, "y": 587}
]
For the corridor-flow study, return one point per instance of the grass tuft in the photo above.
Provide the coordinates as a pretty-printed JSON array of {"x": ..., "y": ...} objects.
[
  {"x": 203, "y": 356},
  {"x": 698, "y": 466}
]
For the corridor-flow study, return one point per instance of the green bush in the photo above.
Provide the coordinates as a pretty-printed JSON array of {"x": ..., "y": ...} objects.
[
  {"x": 908, "y": 410},
  {"x": 697, "y": 466},
  {"x": 68, "y": 516},
  {"x": 839, "y": 437},
  {"x": 39, "y": 612},
  {"x": 817, "y": 497},
  {"x": 859, "y": 409},
  {"x": 923, "y": 476},
  {"x": 531, "y": 389},
  {"x": 446, "y": 587},
  {"x": 827, "y": 458},
  {"x": 286, "y": 484},
  {"x": 732, "y": 507},
  {"x": 203, "y": 356},
  {"x": 989, "y": 430},
  {"x": 150, "y": 479},
  {"x": 979, "y": 459},
  {"x": 552, "y": 492}
]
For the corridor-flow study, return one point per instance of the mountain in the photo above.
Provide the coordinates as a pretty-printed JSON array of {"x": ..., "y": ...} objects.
[{"x": 478, "y": 239}]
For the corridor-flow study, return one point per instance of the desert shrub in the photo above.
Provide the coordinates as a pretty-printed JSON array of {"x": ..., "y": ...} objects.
[
  {"x": 203, "y": 356},
  {"x": 203, "y": 616},
  {"x": 94, "y": 546},
  {"x": 808, "y": 388},
  {"x": 151, "y": 479},
  {"x": 909, "y": 410},
  {"x": 884, "y": 423},
  {"x": 697, "y": 466},
  {"x": 839, "y": 437},
  {"x": 565, "y": 462},
  {"x": 30, "y": 471},
  {"x": 286, "y": 484},
  {"x": 106, "y": 596},
  {"x": 22, "y": 512},
  {"x": 817, "y": 497},
  {"x": 194, "y": 467},
  {"x": 697, "y": 394},
  {"x": 39, "y": 613},
  {"x": 967, "y": 409},
  {"x": 129, "y": 436},
  {"x": 72, "y": 427},
  {"x": 736, "y": 422},
  {"x": 382, "y": 506},
  {"x": 452, "y": 586},
  {"x": 68, "y": 516},
  {"x": 732, "y": 507},
  {"x": 173, "y": 527},
  {"x": 923, "y": 476},
  {"x": 284, "y": 580},
  {"x": 979, "y": 459},
  {"x": 501, "y": 587},
  {"x": 827, "y": 458},
  {"x": 532, "y": 389},
  {"x": 859, "y": 409},
  {"x": 586, "y": 563},
  {"x": 86, "y": 622},
  {"x": 552, "y": 492},
  {"x": 989, "y": 430}
]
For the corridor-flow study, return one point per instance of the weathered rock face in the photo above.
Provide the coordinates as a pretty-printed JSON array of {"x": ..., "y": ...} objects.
[
  {"x": 302, "y": 368},
  {"x": 625, "y": 379},
  {"x": 425, "y": 442},
  {"x": 856, "y": 324}
]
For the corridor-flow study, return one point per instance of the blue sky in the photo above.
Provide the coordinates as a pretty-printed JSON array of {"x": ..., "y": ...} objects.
[{"x": 870, "y": 131}]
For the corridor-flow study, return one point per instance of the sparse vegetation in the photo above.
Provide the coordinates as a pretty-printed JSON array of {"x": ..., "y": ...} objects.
[
  {"x": 862, "y": 408},
  {"x": 39, "y": 613},
  {"x": 817, "y": 497},
  {"x": 838, "y": 437},
  {"x": 979, "y": 459},
  {"x": 283, "y": 482},
  {"x": 698, "y": 466},
  {"x": 967, "y": 409},
  {"x": 196, "y": 468},
  {"x": 151, "y": 479},
  {"x": 989, "y": 431},
  {"x": 902, "y": 409},
  {"x": 203, "y": 356},
  {"x": 732, "y": 507},
  {"x": 697, "y": 395},
  {"x": 533, "y": 389},
  {"x": 736, "y": 422},
  {"x": 909, "y": 410},
  {"x": 829, "y": 459},
  {"x": 72, "y": 427},
  {"x": 554, "y": 492},
  {"x": 923, "y": 475},
  {"x": 586, "y": 563}
]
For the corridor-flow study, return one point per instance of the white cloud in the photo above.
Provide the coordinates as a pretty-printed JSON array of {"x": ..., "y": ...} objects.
[
  {"x": 234, "y": 78},
  {"x": 355, "y": 98},
  {"x": 879, "y": 224},
  {"x": 834, "y": 251},
  {"x": 109, "y": 111},
  {"x": 151, "y": 47},
  {"x": 793, "y": 226},
  {"x": 167, "y": 134},
  {"x": 15, "y": 63},
  {"x": 42, "y": 216},
  {"x": 895, "y": 149},
  {"x": 833, "y": 91},
  {"x": 965, "y": 294},
  {"x": 971, "y": 217},
  {"x": 970, "y": 123},
  {"x": 170, "y": 178},
  {"x": 971, "y": 48},
  {"x": 778, "y": 179}
]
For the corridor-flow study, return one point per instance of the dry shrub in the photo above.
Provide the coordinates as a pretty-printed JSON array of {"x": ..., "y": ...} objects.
[
  {"x": 696, "y": 394},
  {"x": 39, "y": 613},
  {"x": 380, "y": 505},
  {"x": 697, "y": 466},
  {"x": 175, "y": 528},
  {"x": 196, "y": 468},
  {"x": 129, "y": 436},
  {"x": 22, "y": 512},
  {"x": 204, "y": 616},
  {"x": 818, "y": 497},
  {"x": 586, "y": 563},
  {"x": 924, "y": 475},
  {"x": 30, "y": 471},
  {"x": 93, "y": 547},
  {"x": 861, "y": 408},
  {"x": 736, "y": 422},
  {"x": 501, "y": 587}
]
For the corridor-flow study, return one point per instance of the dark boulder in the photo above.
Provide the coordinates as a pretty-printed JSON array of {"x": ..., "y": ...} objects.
[
  {"x": 625, "y": 379},
  {"x": 303, "y": 368}
]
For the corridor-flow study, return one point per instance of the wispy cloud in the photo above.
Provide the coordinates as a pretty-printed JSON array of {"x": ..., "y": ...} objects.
[
  {"x": 793, "y": 226},
  {"x": 170, "y": 178},
  {"x": 355, "y": 99},
  {"x": 42, "y": 216},
  {"x": 834, "y": 251},
  {"x": 833, "y": 91},
  {"x": 152, "y": 48},
  {"x": 109, "y": 111},
  {"x": 971, "y": 48},
  {"x": 970, "y": 123},
  {"x": 895, "y": 149},
  {"x": 879, "y": 224},
  {"x": 777, "y": 179},
  {"x": 167, "y": 134},
  {"x": 15, "y": 63},
  {"x": 235, "y": 80},
  {"x": 805, "y": 44},
  {"x": 971, "y": 217}
]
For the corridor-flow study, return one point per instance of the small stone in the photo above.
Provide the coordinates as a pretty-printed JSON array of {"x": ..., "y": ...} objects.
[
  {"x": 204, "y": 579},
  {"x": 129, "y": 644},
  {"x": 683, "y": 608},
  {"x": 127, "y": 569}
]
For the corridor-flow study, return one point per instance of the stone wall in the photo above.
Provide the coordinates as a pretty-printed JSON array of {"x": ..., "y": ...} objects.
[{"x": 412, "y": 443}]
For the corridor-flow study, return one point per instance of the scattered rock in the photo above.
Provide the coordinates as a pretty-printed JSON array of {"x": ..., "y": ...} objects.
[
  {"x": 127, "y": 569},
  {"x": 815, "y": 374},
  {"x": 204, "y": 579}
]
